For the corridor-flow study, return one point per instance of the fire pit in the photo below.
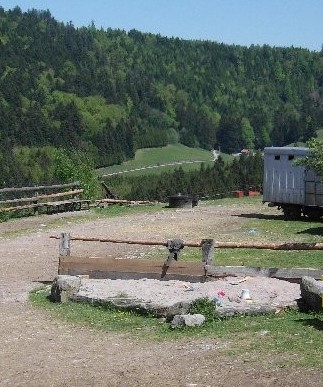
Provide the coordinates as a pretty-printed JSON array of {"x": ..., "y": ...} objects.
[{"x": 182, "y": 201}]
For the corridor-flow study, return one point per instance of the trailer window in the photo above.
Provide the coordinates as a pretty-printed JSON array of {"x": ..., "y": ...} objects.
[
  {"x": 277, "y": 157},
  {"x": 291, "y": 157}
]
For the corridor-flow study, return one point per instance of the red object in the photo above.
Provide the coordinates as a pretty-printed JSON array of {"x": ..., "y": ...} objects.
[
  {"x": 238, "y": 194},
  {"x": 253, "y": 193}
]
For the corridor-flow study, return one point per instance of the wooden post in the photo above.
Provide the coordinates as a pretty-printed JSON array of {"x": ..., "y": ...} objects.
[
  {"x": 65, "y": 245},
  {"x": 208, "y": 251}
]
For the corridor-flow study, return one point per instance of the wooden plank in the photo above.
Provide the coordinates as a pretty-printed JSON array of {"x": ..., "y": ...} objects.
[
  {"x": 272, "y": 272},
  {"x": 223, "y": 245},
  {"x": 101, "y": 267},
  {"x": 40, "y": 197},
  {"x": 50, "y": 205},
  {"x": 62, "y": 194},
  {"x": 59, "y": 203},
  {"x": 39, "y": 188},
  {"x": 127, "y": 241},
  {"x": 16, "y": 208},
  {"x": 123, "y": 201}
]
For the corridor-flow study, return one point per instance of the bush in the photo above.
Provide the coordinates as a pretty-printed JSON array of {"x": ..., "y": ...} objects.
[
  {"x": 74, "y": 165},
  {"x": 204, "y": 306}
]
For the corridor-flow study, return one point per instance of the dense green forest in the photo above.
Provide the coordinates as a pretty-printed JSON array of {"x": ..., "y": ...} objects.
[
  {"x": 211, "y": 182},
  {"x": 110, "y": 92}
]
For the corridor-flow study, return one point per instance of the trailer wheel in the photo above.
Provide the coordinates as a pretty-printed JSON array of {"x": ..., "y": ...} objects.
[{"x": 292, "y": 213}]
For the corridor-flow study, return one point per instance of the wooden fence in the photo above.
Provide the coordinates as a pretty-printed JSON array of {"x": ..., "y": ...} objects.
[
  {"x": 173, "y": 266},
  {"x": 47, "y": 198}
]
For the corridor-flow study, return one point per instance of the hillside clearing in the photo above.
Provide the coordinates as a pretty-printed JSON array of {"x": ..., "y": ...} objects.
[{"x": 160, "y": 159}]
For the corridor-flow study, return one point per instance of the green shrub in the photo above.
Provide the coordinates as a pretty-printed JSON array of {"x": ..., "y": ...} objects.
[{"x": 204, "y": 306}]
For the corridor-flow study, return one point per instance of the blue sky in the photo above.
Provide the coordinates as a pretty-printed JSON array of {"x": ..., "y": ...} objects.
[{"x": 282, "y": 23}]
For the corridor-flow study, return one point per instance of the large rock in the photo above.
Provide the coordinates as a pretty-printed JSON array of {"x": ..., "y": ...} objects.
[
  {"x": 312, "y": 292},
  {"x": 187, "y": 320},
  {"x": 64, "y": 287}
]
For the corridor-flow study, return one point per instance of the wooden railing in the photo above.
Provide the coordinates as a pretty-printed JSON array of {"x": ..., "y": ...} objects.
[
  {"x": 207, "y": 267},
  {"x": 50, "y": 198}
]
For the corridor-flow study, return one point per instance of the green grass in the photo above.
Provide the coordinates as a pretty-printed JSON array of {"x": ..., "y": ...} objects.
[
  {"x": 252, "y": 258},
  {"x": 157, "y": 156},
  {"x": 293, "y": 338}
]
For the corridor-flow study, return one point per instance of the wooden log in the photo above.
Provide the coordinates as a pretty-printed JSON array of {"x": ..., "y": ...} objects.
[
  {"x": 224, "y": 245},
  {"x": 123, "y": 201},
  {"x": 127, "y": 241},
  {"x": 39, "y": 188},
  {"x": 208, "y": 251},
  {"x": 64, "y": 245},
  {"x": 39, "y": 197},
  {"x": 16, "y": 208},
  {"x": 62, "y": 194}
]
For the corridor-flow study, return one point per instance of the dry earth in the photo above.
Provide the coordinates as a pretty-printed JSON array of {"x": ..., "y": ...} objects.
[{"x": 38, "y": 350}]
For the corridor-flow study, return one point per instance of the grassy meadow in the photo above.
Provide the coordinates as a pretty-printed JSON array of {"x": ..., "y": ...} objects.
[{"x": 159, "y": 158}]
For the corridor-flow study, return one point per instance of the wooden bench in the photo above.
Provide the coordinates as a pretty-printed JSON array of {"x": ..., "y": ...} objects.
[
  {"x": 66, "y": 205},
  {"x": 53, "y": 202}
]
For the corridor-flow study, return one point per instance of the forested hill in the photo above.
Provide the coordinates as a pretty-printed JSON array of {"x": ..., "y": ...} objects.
[{"x": 109, "y": 92}]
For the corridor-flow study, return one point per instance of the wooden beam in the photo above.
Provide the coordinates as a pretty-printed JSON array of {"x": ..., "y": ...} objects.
[
  {"x": 39, "y": 197},
  {"x": 123, "y": 201},
  {"x": 126, "y": 241},
  {"x": 39, "y": 188},
  {"x": 128, "y": 268},
  {"x": 273, "y": 272},
  {"x": 65, "y": 245},
  {"x": 223, "y": 245},
  {"x": 16, "y": 208}
]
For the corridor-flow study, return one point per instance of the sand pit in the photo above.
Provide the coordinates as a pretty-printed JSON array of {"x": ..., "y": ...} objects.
[{"x": 266, "y": 294}]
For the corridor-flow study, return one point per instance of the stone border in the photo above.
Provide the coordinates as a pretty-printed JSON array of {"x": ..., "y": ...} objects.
[
  {"x": 312, "y": 293},
  {"x": 66, "y": 288}
]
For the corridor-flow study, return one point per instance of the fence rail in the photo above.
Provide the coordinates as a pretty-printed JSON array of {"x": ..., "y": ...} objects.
[
  {"x": 39, "y": 187},
  {"x": 49, "y": 199},
  {"x": 217, "y": 244},
  {"x": 132, "y": 268}
]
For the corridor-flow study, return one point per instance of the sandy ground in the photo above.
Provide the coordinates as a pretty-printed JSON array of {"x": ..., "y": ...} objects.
[
  {"x": 37, "y": 350},
  {"x": 230, "y": 292}
]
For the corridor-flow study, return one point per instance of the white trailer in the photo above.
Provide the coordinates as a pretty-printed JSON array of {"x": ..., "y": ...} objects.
[{"x": 291, "y": 187}]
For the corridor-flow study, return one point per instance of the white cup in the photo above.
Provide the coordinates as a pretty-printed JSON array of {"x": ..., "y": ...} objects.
[{"x": 245, "y": 294}]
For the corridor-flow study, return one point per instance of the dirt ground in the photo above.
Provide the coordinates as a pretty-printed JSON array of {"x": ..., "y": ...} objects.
[{"x": 37, "y": 350}]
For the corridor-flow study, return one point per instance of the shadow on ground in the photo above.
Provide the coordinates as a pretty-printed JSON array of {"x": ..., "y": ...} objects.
[
  {"x": 313, "y": 322},
  {"x": 312, "y": 231},
  {"x": 260, "y": 216}
]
